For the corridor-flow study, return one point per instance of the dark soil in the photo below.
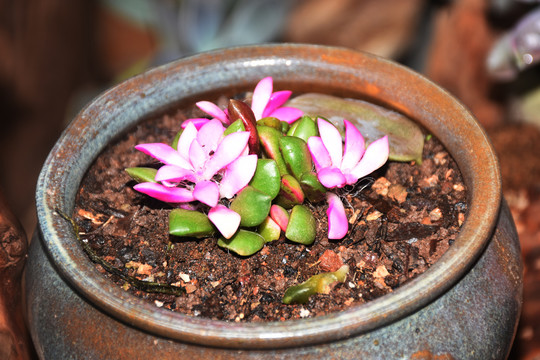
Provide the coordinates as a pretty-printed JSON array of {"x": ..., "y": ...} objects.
[{"x": 403, "y": 219}]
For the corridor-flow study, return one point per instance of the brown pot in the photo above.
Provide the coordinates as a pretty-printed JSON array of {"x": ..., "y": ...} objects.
[{"x": 466, "y": 305}]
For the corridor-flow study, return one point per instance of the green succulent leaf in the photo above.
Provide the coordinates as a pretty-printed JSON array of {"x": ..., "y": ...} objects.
[
  {"x": 142, "y": 174},
  {"x": 252, "y": 205},
  {"x": 243, "y": 243},
  {"x": 267, "y": 177},
  {"x": 190, "y": 223},
  {"x": 304, "y": 128},
  {"x": 234, "y": 127},
  {"x": 296, "y": 154},
  {"x": 373, "y": 121},
  {"x": 269, "y": 230},
  {"x": 320, "y": 283},
  {"x": 302, "y": 226},
  {"x": 290, "y": 193},
  {"x": 269, "y": 139},
  {"x": 271, "y": 122},
  {"x": 312, "y": 187}
]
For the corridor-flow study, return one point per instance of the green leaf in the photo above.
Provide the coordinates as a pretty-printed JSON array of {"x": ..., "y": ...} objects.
[
  {"x": 373, "y": 121},
  {"x": 174, "y": 144},
  {"x": 142, "y": 174},
  {"x": 244, "y": 243},
  {"x": 290, "y": 193},
  {"x": 304, "y": 128},
  {"x": 320, "y": 283},
  {"x": 252, "y": 205},
  {"x": 302, "y": 226},
  {"x": 312, "y": 187},
  {"x": 234, "y": 127},
  {"x": 190, "y": 223},
  {"x": 267, "y": 178},
  {"x": 296, "y": 154},
  {"x": 270, "y": 122},
  {"x": 269, "y": 139},
  {"x": 269, "y": 230}
]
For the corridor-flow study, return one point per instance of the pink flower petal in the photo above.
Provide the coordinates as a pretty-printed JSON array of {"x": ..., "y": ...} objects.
[
  {"x": 197, "y": 156},
  {"x": 213, "y": 110},
  {"x": 226, "y": 220},
  {"x": 338, "y": 224},
  {"x": 276, "y": 100},
  {"x": 375, "y": 156},
  {"x": 354, "y": 146},
  {"x": 228, "y": 150},
  {"x": 287, "y": 114},
  {"x": 163, "y": 193},
  {"x": 210, "y": 135},
  {"x": 331, "y": 139},
  {"x": 237, "y": 175},
  {"x": 198, "y": 122},
  {"x": 174, "y": 174},
  {"x": 206, "y": 192},
  {"x": 331, "y": 177},
  {"x": 164, "y": 153},
  {"x": 186, "y": 138},
  {"x": 319, "y": 154},
  {"x": 261, "y": 96}
]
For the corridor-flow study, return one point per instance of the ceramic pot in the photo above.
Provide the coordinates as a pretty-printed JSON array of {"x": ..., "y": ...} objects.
[{"x": 465, "y": 306}]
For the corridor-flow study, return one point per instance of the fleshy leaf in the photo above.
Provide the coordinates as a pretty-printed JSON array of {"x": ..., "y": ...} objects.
[
  {"x": 320, "y": 283},
  {"x": 302, "y": 226},
  {"x": 280, "y": 216},
  {"x": 312, "y": 187},
  {"x": 235, "y": 127},
  {"x": 296, "y": 155},
  {"x": 304, "y": 128},
  {"x": 290, "y": 193},
  {"x": 243, "y": 243},
  {"x": 405, "y": 137},
  {"x": 267, "y": 178},
  {"x": 269, "y": 230},
  {"x": 252, "y": 205},
  {"x": 142, "y": 174},
  {"x": 269, "y": 138},
  {"x": 226, "y": 220},
  {"x": 190, "y": 223},
  {"x": 271, "y": 122}
]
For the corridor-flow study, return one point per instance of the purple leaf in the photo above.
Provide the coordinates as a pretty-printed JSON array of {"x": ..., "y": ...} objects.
[
  {"x": 163, "y": 193},
  {"x": 337, "y": 219},
  {"x": 226, "y": 220}
]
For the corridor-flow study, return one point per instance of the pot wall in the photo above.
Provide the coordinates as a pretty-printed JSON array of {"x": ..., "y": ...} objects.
[{"x": 87, "y": 315}]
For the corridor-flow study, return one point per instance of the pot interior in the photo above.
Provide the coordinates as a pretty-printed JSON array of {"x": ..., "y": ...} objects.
[{"x": 301, "y": 68}]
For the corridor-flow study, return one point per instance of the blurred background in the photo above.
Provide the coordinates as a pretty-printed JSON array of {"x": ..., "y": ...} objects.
[{"x": 56, "y": 55}]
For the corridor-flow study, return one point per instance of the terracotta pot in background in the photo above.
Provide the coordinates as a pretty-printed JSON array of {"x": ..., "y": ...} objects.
[{"x": 466, "y": 305}]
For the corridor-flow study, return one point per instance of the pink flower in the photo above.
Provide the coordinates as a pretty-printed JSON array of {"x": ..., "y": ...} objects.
[
  {"x": 190, "y": 173},
  {"x": 339, "y": 164},
  {"x": 264, "y": 103}
]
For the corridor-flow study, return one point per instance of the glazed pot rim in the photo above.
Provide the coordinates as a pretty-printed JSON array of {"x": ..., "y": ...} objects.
[{"x": 342, "y": 70}]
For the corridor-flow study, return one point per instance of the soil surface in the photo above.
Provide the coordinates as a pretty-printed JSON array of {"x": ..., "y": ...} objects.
[{"x": 402, "y": 220}]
